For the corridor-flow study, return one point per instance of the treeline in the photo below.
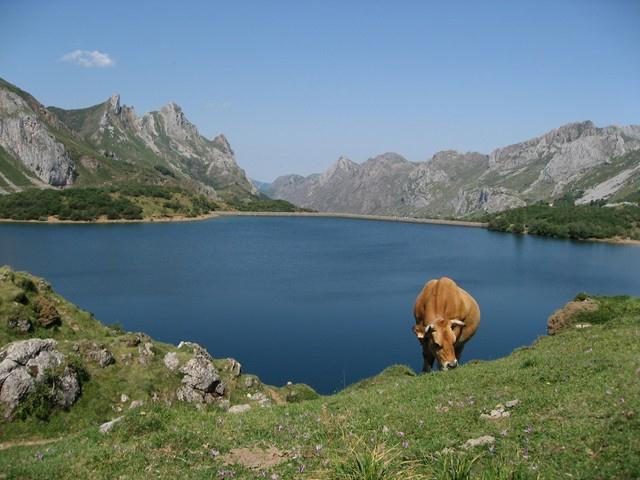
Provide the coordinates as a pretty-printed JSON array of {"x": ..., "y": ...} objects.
[
  {"x": 77, "y": 204},
  {"x": 267, "y": 205},
  {"x": 114, "y": 203},
  {"x": 569, "y": 221}
]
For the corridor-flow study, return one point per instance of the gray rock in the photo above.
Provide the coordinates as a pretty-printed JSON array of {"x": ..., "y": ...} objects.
[
  {"x": 19, "y": 324},
  {"x": 479, "y": 442},
  {"x": 244, "y": 407},
  {"x": 171, "y": 361},
  {"x": 260, "y": 398},
  {"x": 234, "y": 367},
  {"x": 105, "y": 358},
  {"x": 136, "y": 404},
  {"x": 124, "y": 398},
  {"x": 145, "y": 352},
  {"x": 108, "y": 426},
  {"x": 200, "y": 374},
  {"x": 15, "y": 388},
  {"x": 196, "y": 349},
  {"x": 27, "y": 363}
]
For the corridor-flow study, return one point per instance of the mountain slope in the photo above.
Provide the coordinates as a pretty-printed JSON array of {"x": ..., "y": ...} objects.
[
  {"x": 108, "y": 144},
  {"x": 578, "y": 159},
  {"x": 163, "y": 139}
]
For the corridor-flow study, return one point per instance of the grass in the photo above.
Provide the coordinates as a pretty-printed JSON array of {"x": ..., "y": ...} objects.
[{"x": 577, "y": 417}]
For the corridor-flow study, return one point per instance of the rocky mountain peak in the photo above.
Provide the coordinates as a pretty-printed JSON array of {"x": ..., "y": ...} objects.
[
  {"x": 113, "y": 104},
  {"x": 222, "y": 144}
]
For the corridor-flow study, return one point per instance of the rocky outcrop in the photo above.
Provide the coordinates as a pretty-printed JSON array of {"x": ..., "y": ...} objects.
[
  {"x": 27, "y": 364},
  {"x": 578, "y": 157},
  {"x": 27, "y": 138},
  {"x": 168, "y": 137},
  {"x": 201, "y": 382},
  {"x": 564, "y": 317}
]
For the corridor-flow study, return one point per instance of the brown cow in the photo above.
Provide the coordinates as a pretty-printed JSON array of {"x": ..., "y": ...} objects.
[{"x": 446, "y": 318}]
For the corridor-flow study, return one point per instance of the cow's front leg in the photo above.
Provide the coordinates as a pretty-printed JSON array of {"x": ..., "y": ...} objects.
[{"x": 428, "y": 358}]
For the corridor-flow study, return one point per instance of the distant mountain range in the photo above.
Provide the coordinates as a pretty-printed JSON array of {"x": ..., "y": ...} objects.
[
  {"x": 108, "y": 144},
  {"x": 578, "y": 161}
]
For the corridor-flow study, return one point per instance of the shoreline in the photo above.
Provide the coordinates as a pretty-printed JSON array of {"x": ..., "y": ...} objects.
[{"x": 352, "y": 216}]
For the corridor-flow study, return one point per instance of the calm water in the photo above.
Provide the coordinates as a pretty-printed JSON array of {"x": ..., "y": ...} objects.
[{"x": 316, "y": 300}]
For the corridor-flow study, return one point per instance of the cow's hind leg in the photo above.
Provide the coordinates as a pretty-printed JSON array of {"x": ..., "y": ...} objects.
[{"x": 428, "y": 358}]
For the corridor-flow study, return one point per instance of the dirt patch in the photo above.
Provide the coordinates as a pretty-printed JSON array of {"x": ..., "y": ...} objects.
[
  {"x": 256, "y": 458},
  {"x": 562, "y": 318}
]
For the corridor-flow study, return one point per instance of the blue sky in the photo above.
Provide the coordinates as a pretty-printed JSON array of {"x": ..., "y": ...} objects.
[{"x": 295, "y": 84}]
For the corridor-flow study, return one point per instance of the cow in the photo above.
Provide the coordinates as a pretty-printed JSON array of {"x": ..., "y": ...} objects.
[{"x": 446, "y": 318}]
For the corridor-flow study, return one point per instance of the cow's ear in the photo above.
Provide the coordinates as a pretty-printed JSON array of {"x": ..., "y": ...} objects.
[{"x": 457, "y": 322}]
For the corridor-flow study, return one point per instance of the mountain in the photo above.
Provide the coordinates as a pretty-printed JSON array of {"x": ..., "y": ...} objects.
[
  {"x": 108, "y": 143},
  {"x": 578, "y": 160}
]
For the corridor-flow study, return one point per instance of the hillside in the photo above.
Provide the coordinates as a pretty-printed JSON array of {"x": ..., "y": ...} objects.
[
  {"x": 580, "y": 159},
  {"x": 565, "y": 407},
  {"x": 107, "y": 144}
]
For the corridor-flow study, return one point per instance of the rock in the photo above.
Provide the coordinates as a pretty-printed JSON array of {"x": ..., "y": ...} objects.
[
  {"x": 201, "y": 382},
  {"x": 69, "y": 388},
  {"x": 19, "y": 323},
  {"x": 105, "y": 358},
  {"x": 124, "y": 398},
  {"x": 108, "y": 426},
  {"x": 15, "y": 388},
  {"x": 512, "y": 403},
  {"x": 261, "y": 398},
  {"x": 480, "y": 441},
  {"x": 136, "y": 404},
  {"x": 26, "y": 364},
  {"x": 171, "y": 361},
  {"x": 132, "y": 340},
  {"x": 47, "y": 313},
  {"x": 495, "y": 415},
  {"x": 244, "y": 407},
  {"x": 563, "y": 317},
  {"x": 200, "y": 374},
  {"x": 250, "y": 381},
  {"x": 145, "y": 352},
  {"x": 196, "y": 349},
  {"x": 234, "y": 367}
]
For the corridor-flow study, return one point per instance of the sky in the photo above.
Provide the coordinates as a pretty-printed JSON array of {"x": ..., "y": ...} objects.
[{"x": 295, "y": 84}]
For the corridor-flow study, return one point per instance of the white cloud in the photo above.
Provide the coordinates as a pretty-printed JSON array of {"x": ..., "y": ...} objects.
[{"x": 89, "y": 59}]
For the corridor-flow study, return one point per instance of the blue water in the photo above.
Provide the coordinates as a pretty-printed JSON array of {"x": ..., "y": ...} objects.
[{"x": 317, "y": 300}]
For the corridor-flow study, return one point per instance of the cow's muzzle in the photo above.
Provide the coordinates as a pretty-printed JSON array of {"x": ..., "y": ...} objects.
[{"x": 451, "y": 364}]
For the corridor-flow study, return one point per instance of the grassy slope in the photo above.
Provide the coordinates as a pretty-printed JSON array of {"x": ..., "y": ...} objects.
[{"x": 579, "y": 400}]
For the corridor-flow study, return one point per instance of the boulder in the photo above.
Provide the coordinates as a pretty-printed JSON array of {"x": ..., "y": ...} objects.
[
  {"x": 201, "y": 382},
  {"x": 171, "y": 361},
  {"x": 26, "y": 364},
  {"x": 200, "y": 374},
  {"x": 197, "y": 349},
  {"x": 146, "y": 353},
  {"x": 19, "y": 323}
]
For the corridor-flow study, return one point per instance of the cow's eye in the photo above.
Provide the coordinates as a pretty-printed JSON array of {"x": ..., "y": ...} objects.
[{"x": 437, "y": 345}]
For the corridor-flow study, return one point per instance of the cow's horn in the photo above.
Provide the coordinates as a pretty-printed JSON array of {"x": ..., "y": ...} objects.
[
  {"x": 427, "y": 328},
  {"x": 457, "y": 322}
]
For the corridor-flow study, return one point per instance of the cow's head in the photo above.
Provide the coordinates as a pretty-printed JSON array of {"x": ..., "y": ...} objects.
[{"x": 441, "y": 337}]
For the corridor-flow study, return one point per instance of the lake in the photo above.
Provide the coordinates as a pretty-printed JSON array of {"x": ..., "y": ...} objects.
[{"x": 324, "y": 301}]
